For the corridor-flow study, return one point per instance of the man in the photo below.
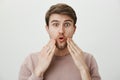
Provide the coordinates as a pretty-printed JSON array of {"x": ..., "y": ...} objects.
[{"x": 61, "y": 58}]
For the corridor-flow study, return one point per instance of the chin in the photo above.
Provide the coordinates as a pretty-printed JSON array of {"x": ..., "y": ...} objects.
[{"x": 61, "y": 46}]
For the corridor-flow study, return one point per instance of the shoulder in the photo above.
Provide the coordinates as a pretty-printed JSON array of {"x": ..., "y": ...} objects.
[
  {"x": 31, "y": 59},
  {"x": 89, "y": 59},
  {"x": 28, "y": 65},
  {"x": 87, "y": 55},
  {"x": 34, "y": 55},
  {"x": 92, "y": 65}
]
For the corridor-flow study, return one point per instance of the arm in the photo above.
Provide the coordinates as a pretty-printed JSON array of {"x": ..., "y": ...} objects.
[
  {"x": 78, "y": 58},
  {"x": 26, "y": 70},
  {"x": 44, "y": 59},
  {"x": 85, "y": 72},
  {"x": 94, "y": 69}
]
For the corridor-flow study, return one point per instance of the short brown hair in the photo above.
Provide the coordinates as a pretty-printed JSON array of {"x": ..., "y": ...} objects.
[{"x": 61, "y": 8}]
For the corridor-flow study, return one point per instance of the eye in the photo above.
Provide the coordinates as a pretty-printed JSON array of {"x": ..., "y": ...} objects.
[
  {"x": 67, "y": 24},
  {"x": 55, "y": 24}
]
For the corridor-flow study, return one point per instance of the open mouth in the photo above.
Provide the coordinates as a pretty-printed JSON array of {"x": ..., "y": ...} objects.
[{"x": 61, "y": 39}]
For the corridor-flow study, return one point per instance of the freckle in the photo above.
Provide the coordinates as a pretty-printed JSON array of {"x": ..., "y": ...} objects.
[
  {"x": 67, "y": 31},
  {"x": 53, "y": 33}
]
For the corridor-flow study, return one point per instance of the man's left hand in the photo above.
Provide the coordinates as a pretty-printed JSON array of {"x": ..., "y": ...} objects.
[{"x": 76, "y": 54}]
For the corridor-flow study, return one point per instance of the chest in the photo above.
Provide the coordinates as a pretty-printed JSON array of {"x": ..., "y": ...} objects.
[{"x": 62, "y": 69}]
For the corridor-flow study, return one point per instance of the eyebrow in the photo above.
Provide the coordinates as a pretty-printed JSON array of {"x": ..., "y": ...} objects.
[
  {"x": 64, "y": 21},
  {"x": 68, "y": 20},
  {"x": 54, "y": 21}
]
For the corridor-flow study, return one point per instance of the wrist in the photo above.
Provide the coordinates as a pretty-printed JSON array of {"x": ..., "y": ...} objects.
[
  {"x": 83, "y": 68},
  {"x": 38, "y": 73}
]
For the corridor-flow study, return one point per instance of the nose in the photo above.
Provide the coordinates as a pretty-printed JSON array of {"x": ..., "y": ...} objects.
[{"x": 61, "y": 30}]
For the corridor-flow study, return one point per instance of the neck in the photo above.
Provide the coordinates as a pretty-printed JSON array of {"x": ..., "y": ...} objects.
[{"x": 63, "y": 52}]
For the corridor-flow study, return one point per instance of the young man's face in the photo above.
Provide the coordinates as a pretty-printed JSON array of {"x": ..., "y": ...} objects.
[{"x": 60, "y": 28}]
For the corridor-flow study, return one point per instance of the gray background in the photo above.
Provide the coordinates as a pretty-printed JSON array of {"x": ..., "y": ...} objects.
[{"x": 22, "y": 31}]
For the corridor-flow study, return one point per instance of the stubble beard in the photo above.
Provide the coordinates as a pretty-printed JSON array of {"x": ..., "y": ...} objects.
[{"x": 61, "y": 46}]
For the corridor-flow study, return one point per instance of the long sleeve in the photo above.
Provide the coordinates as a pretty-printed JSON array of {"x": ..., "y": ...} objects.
[
  {"x": 27, "y": 69},
  {"x": 60, "y": 66},
  {"x": 94, "y": 69}
]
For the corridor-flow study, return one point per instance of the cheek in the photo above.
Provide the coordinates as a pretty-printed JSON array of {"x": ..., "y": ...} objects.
[
  {"x": 53, "y": 33},
  {"x": 69, "y": 33}
]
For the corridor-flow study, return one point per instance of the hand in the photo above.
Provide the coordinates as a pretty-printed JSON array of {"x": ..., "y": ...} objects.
[
  {"x": 76, "y": 53},
  {"x": 78, "y": 58},
  {"x": 45, "y": 58}
]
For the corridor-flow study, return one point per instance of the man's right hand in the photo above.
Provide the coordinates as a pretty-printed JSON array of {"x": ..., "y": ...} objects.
[{"x": 45, "y": 58}]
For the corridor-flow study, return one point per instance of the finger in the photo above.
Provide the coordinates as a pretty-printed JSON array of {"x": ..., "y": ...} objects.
[
  {"x": 46, "y": 47},
  {"x": 74, "y": 56},
  {"x": 52, "y": 51},
  {"x": 75, "y": 45},
  {"x": 71, "y": 49},
  {"x": 50, "y": 44},
  {"x": 71, "y": 52},
  {"x": 50, "y": 47},
  {"x": 72, "y": 46},
  {"x": 77, "y": 49}
]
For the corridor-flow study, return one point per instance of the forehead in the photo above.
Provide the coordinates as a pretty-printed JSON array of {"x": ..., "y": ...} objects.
[{"x": 60, "y": 18}]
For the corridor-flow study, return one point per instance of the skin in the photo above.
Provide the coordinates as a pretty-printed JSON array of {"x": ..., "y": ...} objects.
[
  {"x": 61, "y": 26},
  {"x": 45, "y": 56},
  {"x": 78, "y": 58}
]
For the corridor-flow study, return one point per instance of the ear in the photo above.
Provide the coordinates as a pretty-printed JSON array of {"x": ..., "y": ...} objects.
[
  {"x": 74, "y": 28},
  {"x": 47, "y": 28}
]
